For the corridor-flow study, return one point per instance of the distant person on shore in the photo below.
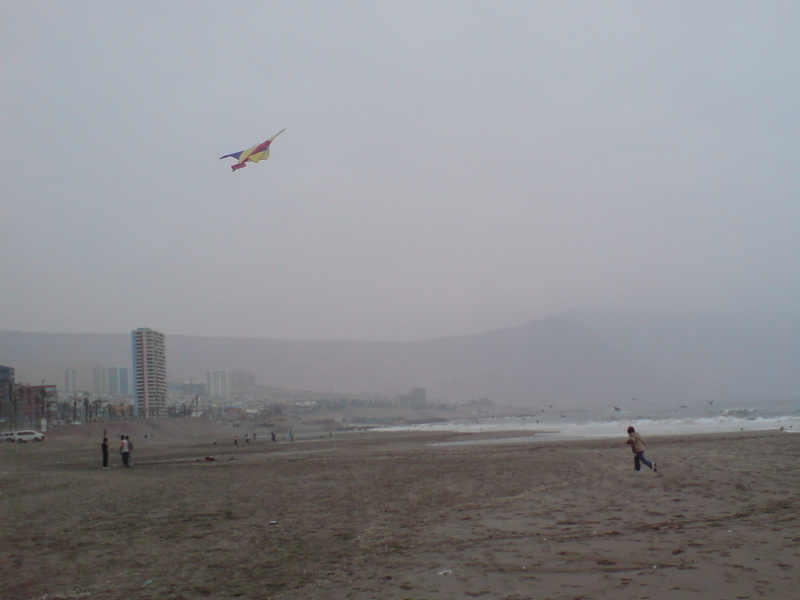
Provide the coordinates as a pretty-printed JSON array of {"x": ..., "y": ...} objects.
[
  {"x": 236, "y": 440},
  {"x": 637, "y": 446},
  {"x": 104, "y": 448},
  {"x": 123, "y": 450},
  {"x": 291, "y": 435},
  {"x": 274, "y": 439},
  {"x": 130, "y": 450}
]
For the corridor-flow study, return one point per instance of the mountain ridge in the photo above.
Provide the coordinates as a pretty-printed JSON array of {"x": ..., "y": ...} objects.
[{"x": 571, "y": 360}]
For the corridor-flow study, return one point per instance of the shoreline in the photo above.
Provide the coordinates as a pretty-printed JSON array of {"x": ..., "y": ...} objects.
[{"x": 201, "y": 429}]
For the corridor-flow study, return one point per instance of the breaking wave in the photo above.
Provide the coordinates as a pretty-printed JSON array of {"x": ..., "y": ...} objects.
[{"x": 599, "y": 423}]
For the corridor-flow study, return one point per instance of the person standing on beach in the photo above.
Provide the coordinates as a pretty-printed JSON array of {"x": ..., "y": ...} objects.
[
  {"x": 123, "y": 450},
  {"x": 104, "y": 447},
  {"x": 130, "y": 450},
  {"x": 637, "y": 446}
]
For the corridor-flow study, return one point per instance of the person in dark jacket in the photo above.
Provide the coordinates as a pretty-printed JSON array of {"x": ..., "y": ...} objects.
[{"x": 104, "y": 448}]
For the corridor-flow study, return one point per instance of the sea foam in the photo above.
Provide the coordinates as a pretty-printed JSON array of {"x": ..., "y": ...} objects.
[{"x": 595, "y": 423}]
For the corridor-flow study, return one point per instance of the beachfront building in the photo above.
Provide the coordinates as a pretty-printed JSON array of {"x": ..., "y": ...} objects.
[
  {"x": 6, "y": 377},
  {"x": 100, "y": 381},
  {"x": 113, "y": 381},
  {"x": 149, "y": 373},
  {"x": 6, "y": 391},
  {"x": 416, "y": 398},
  {"x": 70, "y": 378},
  {"x": 119, "y": 381},
  {"x": 218, "y": 383}
]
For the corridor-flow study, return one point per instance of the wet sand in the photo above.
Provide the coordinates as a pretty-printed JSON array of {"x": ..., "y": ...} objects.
[{"x": 391, "y": 516}]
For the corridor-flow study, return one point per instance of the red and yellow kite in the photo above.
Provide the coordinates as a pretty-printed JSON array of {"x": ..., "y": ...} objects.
[{"x": 254, "y": 154}]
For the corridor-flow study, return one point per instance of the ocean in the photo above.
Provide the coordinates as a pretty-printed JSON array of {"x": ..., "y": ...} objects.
[{"x": 716, "y": 417}]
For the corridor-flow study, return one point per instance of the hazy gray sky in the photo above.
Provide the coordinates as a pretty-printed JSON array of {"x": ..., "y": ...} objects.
[{"x": 447, "y": 167}]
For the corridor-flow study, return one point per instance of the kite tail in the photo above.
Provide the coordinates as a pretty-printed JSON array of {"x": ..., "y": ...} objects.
[{"x": 238, "y": 166}]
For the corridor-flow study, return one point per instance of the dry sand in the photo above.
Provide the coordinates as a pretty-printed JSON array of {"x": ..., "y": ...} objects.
[{"x": 391, "y": 516}]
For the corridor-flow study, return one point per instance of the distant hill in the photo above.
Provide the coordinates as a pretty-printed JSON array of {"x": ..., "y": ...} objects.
[{"x": 573, "y": 360}]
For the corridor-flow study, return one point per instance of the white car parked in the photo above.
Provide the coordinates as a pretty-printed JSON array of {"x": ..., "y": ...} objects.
[
  {"x": 8, "y": 436},
  {"x": 29, "y": 435}
]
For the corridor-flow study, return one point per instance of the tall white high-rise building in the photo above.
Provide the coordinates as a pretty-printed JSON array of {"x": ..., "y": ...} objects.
[
  {"x": 218, "y": 383},
  {"x": 149, "y": 373}
]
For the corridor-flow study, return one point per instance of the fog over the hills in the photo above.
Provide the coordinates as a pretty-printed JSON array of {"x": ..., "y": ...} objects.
[
  {"x": 447, "y": 167},
  {"x": 575, "y": 360}
]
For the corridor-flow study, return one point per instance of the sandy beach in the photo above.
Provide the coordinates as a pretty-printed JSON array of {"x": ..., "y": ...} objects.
[{"x": 393, "y": 516}]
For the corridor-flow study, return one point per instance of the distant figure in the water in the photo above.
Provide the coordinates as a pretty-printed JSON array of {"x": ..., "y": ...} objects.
[{"x": 637, "y": 446}]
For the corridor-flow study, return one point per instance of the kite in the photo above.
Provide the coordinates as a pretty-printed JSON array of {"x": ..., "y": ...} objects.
[{"x": 254, "y": 154}]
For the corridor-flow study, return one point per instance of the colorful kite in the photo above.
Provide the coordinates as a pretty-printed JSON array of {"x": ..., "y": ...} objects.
[{"x": 254, "y": 154}]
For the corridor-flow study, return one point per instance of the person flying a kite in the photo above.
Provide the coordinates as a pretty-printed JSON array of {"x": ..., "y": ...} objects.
[{"x": 254, "y": 154}]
